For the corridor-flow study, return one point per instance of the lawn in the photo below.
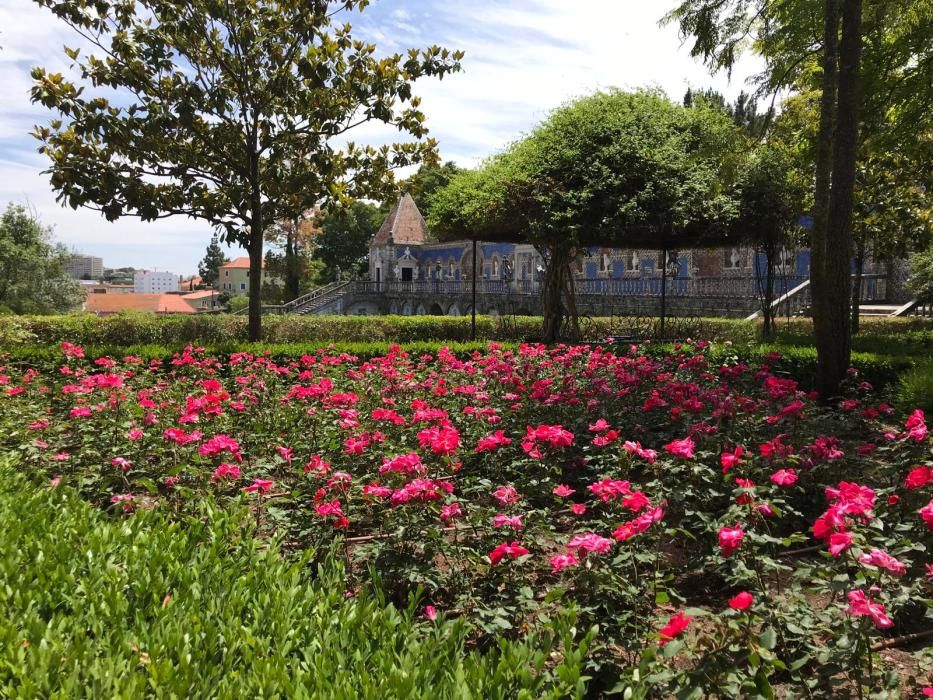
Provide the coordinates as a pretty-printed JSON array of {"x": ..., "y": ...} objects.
[{"x": 711, "y": 526}]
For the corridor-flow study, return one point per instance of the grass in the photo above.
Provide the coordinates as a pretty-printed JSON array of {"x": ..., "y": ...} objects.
[{"x": 106, "y": 606}]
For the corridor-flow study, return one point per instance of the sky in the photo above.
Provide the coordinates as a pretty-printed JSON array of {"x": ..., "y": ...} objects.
[{"x": 523, "y": 59}]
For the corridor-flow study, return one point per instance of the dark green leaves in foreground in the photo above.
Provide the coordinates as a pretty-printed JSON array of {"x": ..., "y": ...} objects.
[{"x": 111, "y": 608}]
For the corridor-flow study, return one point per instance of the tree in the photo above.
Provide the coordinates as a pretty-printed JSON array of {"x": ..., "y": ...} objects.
[
  {"x": 423, "y": 185},
  {"x": 32, "y": 266},
  {"x": 615, "y": 169},
  {"x": 770, "y": 198},
  {"x": 720, "y": 29},
  {"x": 226, "y": 112},
  {"x": 921, "y": 276},
  {"x": 293, "y": 238},
  {"x": 343, "y": 242},
  {"x": 209, "y": 267}
]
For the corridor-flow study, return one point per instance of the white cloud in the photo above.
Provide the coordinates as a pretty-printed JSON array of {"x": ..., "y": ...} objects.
[{"x": 523, "y": 58}]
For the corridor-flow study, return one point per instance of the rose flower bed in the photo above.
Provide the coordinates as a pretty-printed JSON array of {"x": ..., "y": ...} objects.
[{"x": 723, "y": 532}]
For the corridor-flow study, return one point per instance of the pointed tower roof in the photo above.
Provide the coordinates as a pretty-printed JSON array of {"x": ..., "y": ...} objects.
[{"x": 404, "y": 225}]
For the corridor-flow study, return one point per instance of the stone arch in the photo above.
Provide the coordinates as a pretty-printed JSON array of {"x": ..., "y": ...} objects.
[
  {"x": 493, "y": 311},
  {"x": 435, "y": 310},
  {"x": 421, "y": 311},
  {"x": 393, "y": 309},
  {"x": 466, "y": 263},
  {"x": 454, "y": 310},
  {"x": 407, "y": 309}
]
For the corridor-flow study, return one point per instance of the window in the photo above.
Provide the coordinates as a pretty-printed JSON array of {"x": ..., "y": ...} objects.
[
  {"x": 226, "y": 273},
  {"x": 450, "y": 268},
  {"x": 495, "y": 267},
  {"x": 242, "y": 286},
  {"x": 605, "y": 262},
  {"x": 633, "y": 262}
]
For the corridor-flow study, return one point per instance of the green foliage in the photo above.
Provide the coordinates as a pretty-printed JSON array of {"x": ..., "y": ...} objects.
[
  {"x": 135, "y": 329},
  {"x": 613, "y": 168},
  {"x": 921, "y": 275},
  {"x": 32, "y": 267},
  {"x": 343, "y": 244},
  {"x": 744, "y": 111},
  {"x": 226, "y": 112},
  {"x": 238, "y": 303},
  {"x": 209, "y": 267},
  {"x": 916, "y": 387},
  {"x": 427, "y": 181},
  {"x": 153, "y": 606}
]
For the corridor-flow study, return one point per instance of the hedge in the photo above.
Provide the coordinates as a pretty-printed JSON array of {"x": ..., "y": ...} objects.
[
  {"x": 106, "y": 606},
  {"x": 137, "y": 329}
]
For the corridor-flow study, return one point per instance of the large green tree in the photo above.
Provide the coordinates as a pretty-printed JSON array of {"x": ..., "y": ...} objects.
[
  {"x": 227, "y": 112},
  {"x": 866, "y": 60},
  {"x": 342, "y": 244},
  {"x": 614, "y": 169},
  {"x": 32, "y": 266}
]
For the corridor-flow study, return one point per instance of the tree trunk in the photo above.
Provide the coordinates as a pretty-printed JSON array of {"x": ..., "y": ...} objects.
[
  {"x": 292, "y": 273},
  {"x": 834, "y": 349},
  {"x": 857, "y": 285},
  {"x": 551, "y": 293},
  {"x": 767, "y": 301},
  {"x": 571, "y": 296},
  {"x": 255, "y": 282},
  {"x": 824, "y": 152}
]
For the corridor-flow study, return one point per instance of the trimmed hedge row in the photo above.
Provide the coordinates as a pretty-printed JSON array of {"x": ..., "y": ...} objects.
[
  {"x": 137, "y": 329},
  {"x": 106, "y": 606},
  {"x": 278, "y": 352}
]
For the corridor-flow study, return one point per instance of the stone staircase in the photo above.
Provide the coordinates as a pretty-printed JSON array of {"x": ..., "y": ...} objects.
[{"x": 318, "y": 299}]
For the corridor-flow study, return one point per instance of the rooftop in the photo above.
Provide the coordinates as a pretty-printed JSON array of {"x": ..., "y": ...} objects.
[
  {"x": 155, "y": 303},
  {"x": 404, "y": 224},
  {"x": 203, "y": 294},
  {"x": 241, "y": 263}
]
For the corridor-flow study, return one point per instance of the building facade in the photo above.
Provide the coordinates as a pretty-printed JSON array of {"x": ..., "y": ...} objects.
[
  {"x": 85, "y": 267},
  {"x": 411, "y": 273},
  {"x": 233, "y": 276},
  {"x": 154, "y": 282}
]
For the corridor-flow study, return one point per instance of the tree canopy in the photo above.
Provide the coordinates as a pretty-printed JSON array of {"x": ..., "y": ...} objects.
[
  {"x": 623, "y": 169},
  {"x": 871, "y": 66},
  {"x": 343, "y": 242},
  {"x": 32, "y": 267},
  {"x": 227, "y": 112}
]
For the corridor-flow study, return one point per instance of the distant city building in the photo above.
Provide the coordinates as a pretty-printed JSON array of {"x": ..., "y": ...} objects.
[
  {"x": 84, "y": 267},
  {"x": 234, "y": 276},
  {"x": 155, "y": 282}
]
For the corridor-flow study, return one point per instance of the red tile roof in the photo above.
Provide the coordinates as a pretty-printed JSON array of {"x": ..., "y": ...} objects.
[
  {"x": 203, "y": 294},
  {"x": 240, "y": 263},
  {"x": 157, "y": 303},
  {"x": 404, "y": 224}
]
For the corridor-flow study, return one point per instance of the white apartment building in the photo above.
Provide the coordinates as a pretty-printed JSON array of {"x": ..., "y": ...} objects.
[{"x": 154, "y": 282}]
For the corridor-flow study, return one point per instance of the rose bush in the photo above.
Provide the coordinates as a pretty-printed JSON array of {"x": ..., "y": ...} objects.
[{"x": 725, "y": 531}]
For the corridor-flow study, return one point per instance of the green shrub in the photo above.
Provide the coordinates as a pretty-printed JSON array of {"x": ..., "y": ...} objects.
[
  {"x": 103, "y": 607},
  {"x": 39, "y": 355},
  {"x": 916, "y": 388},
  {"x": 136, "y": 328}
]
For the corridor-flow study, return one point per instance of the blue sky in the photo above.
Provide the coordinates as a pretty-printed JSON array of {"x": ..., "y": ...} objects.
[{"x": 523, "y": 58}]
